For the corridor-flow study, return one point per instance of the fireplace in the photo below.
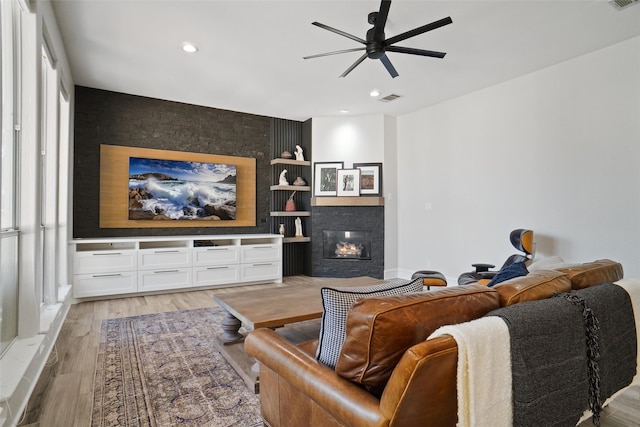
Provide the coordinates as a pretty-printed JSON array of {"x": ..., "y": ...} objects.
[
  {"x": 346, "y": 244},
  {"x": 361, "y": 252}
]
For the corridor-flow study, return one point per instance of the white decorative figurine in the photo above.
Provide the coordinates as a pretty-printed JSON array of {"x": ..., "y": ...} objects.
[
  {"x": 283, "y": 178},
  {"x": 298, "y": 227},
  {"x": 299, "y": 154}
]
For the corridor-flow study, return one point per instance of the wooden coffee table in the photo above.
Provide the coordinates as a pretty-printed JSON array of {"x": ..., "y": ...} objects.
[{"x": 272, "y": 308}]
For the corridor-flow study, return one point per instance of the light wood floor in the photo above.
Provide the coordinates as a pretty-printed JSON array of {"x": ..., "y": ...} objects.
[{"x": 63, "y": 395}]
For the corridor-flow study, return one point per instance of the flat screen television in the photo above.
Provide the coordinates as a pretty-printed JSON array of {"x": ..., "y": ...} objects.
[{"x": 178, "y": 190}]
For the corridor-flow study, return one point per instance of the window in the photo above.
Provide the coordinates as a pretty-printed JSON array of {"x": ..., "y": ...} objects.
[
  {"x": 48, "y": 177},
  {"x": 34, "y": 161},
  {"x": 8, "y": 182},
  {"x": 63, "y": 185}
]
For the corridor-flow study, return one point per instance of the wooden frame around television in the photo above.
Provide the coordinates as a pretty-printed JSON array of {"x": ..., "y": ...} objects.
[{"x": 114, "y": 182}]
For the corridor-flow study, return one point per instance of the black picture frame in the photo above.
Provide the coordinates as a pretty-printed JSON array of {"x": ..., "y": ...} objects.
[
  {"x": 370, "y": 178},
  {"x": 325, "y": 178}
]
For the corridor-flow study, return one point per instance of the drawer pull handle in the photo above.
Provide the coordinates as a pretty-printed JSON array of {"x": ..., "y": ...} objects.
[
  {"x": 259, "y": 265},
  {"x": 107, "y": 275},
  {"x": 165, "y": 271},
  {"x": 217, "y": 268},
  {"x": 217, "y": 249},
  {"x": 107, "y": 253},
  {"x": 263, "y": 247},
  {"x": 170, "y": 251}
]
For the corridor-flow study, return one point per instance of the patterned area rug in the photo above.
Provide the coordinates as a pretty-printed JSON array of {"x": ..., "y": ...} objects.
[{"x": 163, "y": 370}]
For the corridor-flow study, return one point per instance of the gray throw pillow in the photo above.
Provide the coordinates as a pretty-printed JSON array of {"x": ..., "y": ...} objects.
[{"x": 336, "y": 303}]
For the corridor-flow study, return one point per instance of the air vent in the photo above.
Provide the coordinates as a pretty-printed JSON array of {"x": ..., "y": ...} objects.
[
  {"x": 390, "y": 98},
  {"x": 623, "y": 4}
]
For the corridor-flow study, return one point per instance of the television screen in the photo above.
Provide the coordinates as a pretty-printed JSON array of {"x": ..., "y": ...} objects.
[{"x": 181, "y": 190}]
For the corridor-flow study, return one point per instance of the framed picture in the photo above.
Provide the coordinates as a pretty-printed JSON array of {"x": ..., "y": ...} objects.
[
  {"x": 348, "y": 182},
  {"x": 324, "y": 178},
  {"x": 370, "y": 178}
]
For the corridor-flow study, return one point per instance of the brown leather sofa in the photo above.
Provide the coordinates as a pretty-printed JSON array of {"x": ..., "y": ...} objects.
[{"x": 389, "y": 373}]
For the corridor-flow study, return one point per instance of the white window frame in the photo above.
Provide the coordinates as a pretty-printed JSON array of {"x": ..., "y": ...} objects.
[
  {"x": 49, "y": 176},
  {"x": 9, "y": 234}
]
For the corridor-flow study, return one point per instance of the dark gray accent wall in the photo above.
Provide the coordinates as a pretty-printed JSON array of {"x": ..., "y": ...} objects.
[
  {"x": 348, "y": 218},
  {"x": 104, "y": 117}
]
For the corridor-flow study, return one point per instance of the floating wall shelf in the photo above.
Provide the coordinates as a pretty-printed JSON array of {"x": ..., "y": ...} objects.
[
  {"x": 347, "y": 201},
  {"x": 290, "y": 187},
  {"x": 291, "y": 213},
  {"x": 290, "y": 162},
  {"x": 296, "y": 239}
]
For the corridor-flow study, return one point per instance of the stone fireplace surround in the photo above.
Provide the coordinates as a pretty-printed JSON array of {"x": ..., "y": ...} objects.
[{"x": 347, "y": 218}]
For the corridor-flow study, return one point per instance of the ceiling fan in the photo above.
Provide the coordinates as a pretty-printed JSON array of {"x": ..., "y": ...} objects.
[{"x": 376, "y": 45}]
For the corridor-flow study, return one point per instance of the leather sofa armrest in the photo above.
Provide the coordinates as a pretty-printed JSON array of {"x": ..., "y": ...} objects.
[{"x": 344, "y": 400}]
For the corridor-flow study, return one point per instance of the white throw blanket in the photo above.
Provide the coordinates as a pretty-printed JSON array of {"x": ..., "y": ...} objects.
[{"x": 484, "y": 372}]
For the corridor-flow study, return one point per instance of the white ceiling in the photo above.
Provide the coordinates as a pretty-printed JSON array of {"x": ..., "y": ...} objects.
[{"x": 250, "y": 56}]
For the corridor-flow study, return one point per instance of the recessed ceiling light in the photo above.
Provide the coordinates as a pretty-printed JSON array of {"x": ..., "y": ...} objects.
[
  {"x": 374, "y": 93},
  {"x": 189, "y": 47},
  {"x": 343, "y": 111}
]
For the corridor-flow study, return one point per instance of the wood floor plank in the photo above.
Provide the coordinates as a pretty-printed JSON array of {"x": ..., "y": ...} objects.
[{"x": 64, "y": 386}]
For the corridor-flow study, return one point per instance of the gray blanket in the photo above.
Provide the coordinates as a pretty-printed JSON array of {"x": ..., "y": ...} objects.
[
  {"x": 617, "y": 337},
  {"x": 550, "y": 375}
]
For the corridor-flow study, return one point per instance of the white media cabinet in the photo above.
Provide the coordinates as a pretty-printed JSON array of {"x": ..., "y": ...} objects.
[{"x": 116, "y": 266}]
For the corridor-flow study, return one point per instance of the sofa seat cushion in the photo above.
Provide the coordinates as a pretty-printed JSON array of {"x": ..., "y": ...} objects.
[
  {"x": 594, "y": 273},
  {"x": 539, "y": 284},
  {"x": 336, "y": 302},
  {"x": 381, "y": 329}
]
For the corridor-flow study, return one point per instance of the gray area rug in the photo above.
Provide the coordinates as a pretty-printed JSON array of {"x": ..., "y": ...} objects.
[{"x": 163, "y": 370}]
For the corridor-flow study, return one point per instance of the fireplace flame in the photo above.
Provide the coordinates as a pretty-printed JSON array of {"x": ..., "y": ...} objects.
[{"x": 348, "y": 250}]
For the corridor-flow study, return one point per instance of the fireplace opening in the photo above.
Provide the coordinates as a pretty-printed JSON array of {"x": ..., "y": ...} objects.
[{"x": 347, "y": 244}]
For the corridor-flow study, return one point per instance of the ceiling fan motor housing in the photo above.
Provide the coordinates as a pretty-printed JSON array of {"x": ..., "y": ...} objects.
[{"x": 375, "y": 48}]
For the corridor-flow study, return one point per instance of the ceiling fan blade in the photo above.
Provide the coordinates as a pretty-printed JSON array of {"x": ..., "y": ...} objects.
[
  {"x": 334, "y": 52},
  {"x": 354, "y": 65},
  {"x": 342, "y": 33},
  {"x": 413, "y": 51},
  {"x": 381, "y": 20},
  {"x": 389, "y": 66},
  {"x": 432, "y": 26}
]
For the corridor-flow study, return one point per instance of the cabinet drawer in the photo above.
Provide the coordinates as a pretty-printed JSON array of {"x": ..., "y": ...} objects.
[
  {"x": 219, "y": 255},
  {"x": 166, "y": 278},
  {"x": 164, "y": 258},
  {"x": 260, "y": 253},
  {"x": 261, "y": 271},
  {"x": 89, "y": 285},
  {"x": 216, "y": 275},
  {"x": 104, "y": 261}
]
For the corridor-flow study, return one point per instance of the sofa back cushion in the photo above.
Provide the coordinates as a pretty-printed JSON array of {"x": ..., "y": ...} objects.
[
  {"x": 593, "y": 273},
  {"x": 379, "y": 330},
  {"x": 539, "y": 284},
  {"x": 336, "y": 302}
]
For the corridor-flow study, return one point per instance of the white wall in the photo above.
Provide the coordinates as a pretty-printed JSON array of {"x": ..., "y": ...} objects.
[
  {"x": 556, "y": 151},
  {"x": 390, "y": 191},
  {"x": 351, "y": 139}
]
